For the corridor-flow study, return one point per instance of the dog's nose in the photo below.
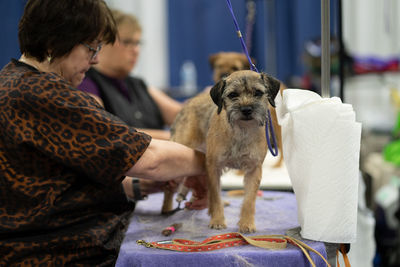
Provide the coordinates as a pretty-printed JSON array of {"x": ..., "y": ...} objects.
[{"x": 247, "y": 110}]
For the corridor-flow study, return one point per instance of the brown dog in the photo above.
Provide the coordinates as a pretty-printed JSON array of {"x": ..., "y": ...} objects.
[
  {"x": 229, "y": 127},
  {"x": 223, "y": 64}
]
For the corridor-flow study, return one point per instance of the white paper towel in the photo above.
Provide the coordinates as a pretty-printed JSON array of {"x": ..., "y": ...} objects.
[{"x": 321, "y": 148}]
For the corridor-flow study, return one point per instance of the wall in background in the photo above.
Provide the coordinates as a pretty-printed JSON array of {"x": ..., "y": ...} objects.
[
  {"x": 174, "y": 31},
  {"x": 153, "y": 60},
  {"x": 10, "y": 13},
  {"x": 372, "y": 28},
  {"x": 200, "y": 28},
  {"x": 372, "y": 37}
]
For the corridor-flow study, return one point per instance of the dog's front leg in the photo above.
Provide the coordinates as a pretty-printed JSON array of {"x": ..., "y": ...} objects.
[
  {"x": 252, "y": 181},
  {"x": 215, "y": 206},
  {"x": 167, "y": 202}
]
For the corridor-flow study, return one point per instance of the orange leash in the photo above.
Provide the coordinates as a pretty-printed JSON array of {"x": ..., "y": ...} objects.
[
  {"x": 232, "y": 240},
  {"x": 345, "y": 258}
]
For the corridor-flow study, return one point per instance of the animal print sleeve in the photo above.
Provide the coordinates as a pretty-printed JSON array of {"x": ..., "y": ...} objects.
[{"x": 67, "y": 126}]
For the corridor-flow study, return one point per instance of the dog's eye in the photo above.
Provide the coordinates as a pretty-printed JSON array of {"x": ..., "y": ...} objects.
[
  {"x": 258, "y": 93},
  {"x": 233, "y": 95}
]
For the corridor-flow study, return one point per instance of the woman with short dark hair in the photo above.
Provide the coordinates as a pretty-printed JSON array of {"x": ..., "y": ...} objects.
[
  {"x": 46, "y": 28},
  {"x": 63, "y": 158}
]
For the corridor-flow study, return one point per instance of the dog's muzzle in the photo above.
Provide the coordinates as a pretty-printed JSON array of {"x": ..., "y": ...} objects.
[{"x": 247, "y": 112}]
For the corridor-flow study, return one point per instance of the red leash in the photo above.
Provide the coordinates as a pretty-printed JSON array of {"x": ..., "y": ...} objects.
[{"x": 232, "y": 240}]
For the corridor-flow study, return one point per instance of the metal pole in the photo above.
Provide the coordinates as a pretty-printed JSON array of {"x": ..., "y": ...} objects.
[
  {"x": 342, "y": 59},
  {"x": 270, "y": 37},
  {"x": 325, "y": 48}
]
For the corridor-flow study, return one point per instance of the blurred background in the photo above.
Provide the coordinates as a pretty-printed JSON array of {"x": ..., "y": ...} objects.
[{"x": 283, "y": 36}]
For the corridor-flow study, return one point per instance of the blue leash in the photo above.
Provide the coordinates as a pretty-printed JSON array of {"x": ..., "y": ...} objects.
[
  {"x": 269, "y": 127},
  {"x": 239, "y": 33}
]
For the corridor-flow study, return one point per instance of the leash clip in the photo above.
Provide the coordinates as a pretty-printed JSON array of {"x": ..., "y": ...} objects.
[{"x": 144, "y": 243}]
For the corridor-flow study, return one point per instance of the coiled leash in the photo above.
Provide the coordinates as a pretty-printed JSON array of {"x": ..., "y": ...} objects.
[
  {"x": 233, "y": 240},
  {"x": 269, "y": 128}
]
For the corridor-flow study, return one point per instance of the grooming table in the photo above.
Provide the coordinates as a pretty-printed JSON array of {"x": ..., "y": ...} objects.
[{"x": 276, "y": 213}]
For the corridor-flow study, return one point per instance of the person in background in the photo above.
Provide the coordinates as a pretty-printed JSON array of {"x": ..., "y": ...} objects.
[
  {"x": 63, "y": 158},
  {"x": 147, "y": 109}
]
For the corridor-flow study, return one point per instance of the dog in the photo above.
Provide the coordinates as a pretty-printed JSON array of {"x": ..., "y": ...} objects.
[
  {"x": 228, "y": 125},
  {"x": 223, "y": 64}
]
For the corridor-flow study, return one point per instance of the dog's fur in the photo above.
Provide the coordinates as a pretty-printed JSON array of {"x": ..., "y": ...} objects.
[
  {"x": 223, "y": 64},
  {"x": 229, "y": 127}
]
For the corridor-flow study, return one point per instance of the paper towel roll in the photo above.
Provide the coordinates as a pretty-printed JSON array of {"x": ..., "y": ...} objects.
[{"x": 321, "y": 148}]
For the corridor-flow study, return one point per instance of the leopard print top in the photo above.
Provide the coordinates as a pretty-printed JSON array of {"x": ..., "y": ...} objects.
[{"x": 62, "y": 160}]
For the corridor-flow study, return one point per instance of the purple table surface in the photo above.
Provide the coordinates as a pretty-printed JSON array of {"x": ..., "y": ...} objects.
[{"x": 276, "y": 213}]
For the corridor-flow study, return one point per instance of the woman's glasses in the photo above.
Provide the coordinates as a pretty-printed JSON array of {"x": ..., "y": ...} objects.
[
  {"x": 94, "y": 51},
  {"x": 130, "y": 42}
]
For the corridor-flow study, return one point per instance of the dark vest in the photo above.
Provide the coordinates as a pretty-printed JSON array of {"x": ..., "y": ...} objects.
[{"x": 140, "y": 112}]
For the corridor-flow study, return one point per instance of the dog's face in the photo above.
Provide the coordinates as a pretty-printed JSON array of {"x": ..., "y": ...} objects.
[
  {"x": 224, "y": 63},
  {"x": 245, "y": 95}
]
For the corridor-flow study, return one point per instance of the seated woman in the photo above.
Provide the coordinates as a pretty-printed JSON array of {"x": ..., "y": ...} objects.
[
  {"x": 63, "y": 158},
  {"x": 147, "y": 109}
]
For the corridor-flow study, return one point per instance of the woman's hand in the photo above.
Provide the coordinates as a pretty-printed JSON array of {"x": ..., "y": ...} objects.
[{"x": 198, "y": 185}]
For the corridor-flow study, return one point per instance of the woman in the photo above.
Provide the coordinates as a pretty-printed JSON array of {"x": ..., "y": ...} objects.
[
  {"x": 146, "y": 108},
  {"x": 63, "y": 158}
]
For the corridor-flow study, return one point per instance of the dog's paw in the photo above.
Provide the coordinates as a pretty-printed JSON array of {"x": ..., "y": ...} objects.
[
  {"x": 196, "y": 204},
  {"x": 217, "y": 224},
  {"x": 247, "y": 228},
  {"x": 166, "y": 209}
]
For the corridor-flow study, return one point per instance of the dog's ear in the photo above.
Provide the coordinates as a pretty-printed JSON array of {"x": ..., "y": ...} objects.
[
  {"x": 211, "y": 59},
  {"x": 216, "y": 94},
  {"x": 273, "y": 86}
]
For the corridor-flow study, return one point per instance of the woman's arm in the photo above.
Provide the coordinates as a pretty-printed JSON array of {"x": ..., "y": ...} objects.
[
  {"x": 165, "y": 160},
  {"x": 148, "y": 186},
  {"x": 169, "y": 107},
  {"x": 156, "y": 133}
]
